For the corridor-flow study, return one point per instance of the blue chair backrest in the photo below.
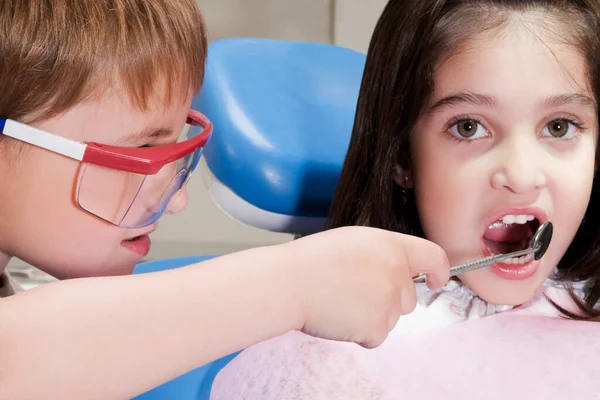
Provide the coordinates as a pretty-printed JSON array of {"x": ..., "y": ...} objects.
[{"x": 283, "y": 113}]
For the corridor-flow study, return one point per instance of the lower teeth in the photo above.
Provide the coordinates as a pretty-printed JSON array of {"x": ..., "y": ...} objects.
[{"x": 517, "y": 260}]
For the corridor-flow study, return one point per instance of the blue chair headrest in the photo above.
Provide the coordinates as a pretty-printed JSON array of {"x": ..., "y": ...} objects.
[{"x": 283, "y": 113}]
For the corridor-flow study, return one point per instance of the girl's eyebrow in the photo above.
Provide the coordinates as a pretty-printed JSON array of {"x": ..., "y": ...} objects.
[
  {"x": 462, "y": 98},
  {"x": 478, "y": 99},
  {"x": 577, "y": 99}
]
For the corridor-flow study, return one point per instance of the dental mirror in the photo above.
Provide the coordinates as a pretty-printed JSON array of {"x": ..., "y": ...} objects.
[
  {"x": 539, "y": 244},
  {"x": 541, "y": 240}
]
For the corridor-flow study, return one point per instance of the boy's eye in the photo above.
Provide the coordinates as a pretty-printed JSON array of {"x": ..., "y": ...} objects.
[
  {"x": 560, "y": 128},
  {"x": 468, "y": 129}
]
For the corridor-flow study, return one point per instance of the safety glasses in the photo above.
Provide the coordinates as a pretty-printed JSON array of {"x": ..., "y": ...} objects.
[{"x": 125, "y": 186}]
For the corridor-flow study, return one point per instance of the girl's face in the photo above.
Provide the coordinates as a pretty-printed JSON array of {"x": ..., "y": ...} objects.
[
  {"x": 509, "y": 136},
  {"x": 40, "y": 221}
]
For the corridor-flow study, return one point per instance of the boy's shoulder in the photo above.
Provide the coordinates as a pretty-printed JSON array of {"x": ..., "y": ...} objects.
[{"x": 8, "y": 286}]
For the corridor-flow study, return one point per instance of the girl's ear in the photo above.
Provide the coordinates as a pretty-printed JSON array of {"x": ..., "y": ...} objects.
[{"x": 403, "y": 177}]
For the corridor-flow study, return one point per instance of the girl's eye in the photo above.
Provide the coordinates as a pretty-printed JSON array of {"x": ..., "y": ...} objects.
[
  {"x": 468, "y": 129},
  {"x": 560, "y": 129}
]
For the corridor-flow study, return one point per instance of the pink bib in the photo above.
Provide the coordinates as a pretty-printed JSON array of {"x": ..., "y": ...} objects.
[{"x": 510, "y": 355}]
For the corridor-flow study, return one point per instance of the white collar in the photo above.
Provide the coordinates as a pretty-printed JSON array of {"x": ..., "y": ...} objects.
[{"x": 468, "y": 305}]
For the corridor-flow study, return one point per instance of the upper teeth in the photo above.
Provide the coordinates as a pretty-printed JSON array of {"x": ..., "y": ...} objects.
[{"x": 519, "y": 219}]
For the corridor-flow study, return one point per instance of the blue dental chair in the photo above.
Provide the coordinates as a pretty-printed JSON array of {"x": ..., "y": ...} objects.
[{"x": 283, "y": 114}]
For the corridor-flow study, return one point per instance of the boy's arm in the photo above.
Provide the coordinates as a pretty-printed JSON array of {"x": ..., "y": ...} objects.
[{"x": 117, "y": 337}]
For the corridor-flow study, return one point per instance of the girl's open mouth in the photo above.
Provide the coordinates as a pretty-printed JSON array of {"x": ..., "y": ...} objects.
[{"x": 509, "y": 234}]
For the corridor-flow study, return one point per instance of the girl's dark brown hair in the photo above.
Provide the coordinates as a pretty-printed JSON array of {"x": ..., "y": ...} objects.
[{"x": 411, "y": 39}]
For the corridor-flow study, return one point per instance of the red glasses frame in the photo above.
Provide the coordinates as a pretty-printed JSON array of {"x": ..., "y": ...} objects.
[{"x": 148, "y": 160}]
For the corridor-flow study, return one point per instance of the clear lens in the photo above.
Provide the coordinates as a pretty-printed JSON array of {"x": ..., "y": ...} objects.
[
  {"x": 130, "y": 200},
  {"x": 107, "y": 193}
]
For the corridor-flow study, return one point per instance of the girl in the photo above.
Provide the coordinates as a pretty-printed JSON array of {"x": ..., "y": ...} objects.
[
  {"x": 477, "y": 121},
  {"x": 91, "y": 105}
]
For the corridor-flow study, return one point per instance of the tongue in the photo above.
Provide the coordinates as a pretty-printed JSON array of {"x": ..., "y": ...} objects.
[
  {"x": 501, "y": 238},
  {"x": 513, "y": 233}
]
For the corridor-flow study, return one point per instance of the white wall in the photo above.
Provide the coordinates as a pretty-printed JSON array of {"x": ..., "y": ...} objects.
[
  {"x": 307, "y": 20},
  {"x": 354, "y": 21}
]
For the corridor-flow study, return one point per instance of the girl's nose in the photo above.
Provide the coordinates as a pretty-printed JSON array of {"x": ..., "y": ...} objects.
[{"x": 520, "y": 167}]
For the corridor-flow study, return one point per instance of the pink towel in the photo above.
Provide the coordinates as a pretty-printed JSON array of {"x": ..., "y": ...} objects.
[{"x": 505, "y": 356}]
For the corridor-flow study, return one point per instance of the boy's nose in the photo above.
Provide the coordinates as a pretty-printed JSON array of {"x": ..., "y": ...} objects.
[{"x": 178, "y": 202}]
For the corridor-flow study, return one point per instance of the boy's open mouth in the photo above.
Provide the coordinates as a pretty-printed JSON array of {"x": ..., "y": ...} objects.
[{"x": 509, "y": 234}]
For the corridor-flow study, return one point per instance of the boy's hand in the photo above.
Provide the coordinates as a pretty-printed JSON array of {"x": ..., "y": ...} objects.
[{"x": 355, "y": 282}]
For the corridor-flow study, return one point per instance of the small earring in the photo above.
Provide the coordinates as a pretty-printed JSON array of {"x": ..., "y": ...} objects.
[{"x": 404, "y": 197}]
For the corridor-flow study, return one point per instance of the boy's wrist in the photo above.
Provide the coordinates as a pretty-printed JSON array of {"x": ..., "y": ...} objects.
[{"x": 289, "y": 274}]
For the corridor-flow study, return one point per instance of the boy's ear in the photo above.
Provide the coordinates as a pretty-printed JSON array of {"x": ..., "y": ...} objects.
[{"x": 403, "y": 177}]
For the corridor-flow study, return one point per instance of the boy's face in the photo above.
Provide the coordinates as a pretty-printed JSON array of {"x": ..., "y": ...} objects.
[
  {"x": 510, "y": 134},
  {"x": 46, "y": 226}
]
